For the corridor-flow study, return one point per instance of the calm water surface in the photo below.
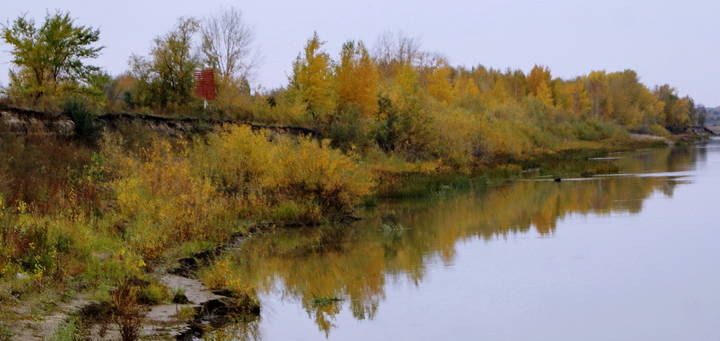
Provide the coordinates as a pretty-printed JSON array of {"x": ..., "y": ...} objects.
[{"x": 632, "y": 256}]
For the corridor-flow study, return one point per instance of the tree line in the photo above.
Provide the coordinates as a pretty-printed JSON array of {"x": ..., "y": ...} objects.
[{"x": 393, "y": 96}]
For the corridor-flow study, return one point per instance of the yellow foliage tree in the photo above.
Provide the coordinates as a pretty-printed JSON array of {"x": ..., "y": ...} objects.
[
  {"x": 498, "y": 94},
  {"x": 404, "y": 91},
  {"x": 538, "y": 75},
  {"x": 357, "y": 79},
  {"x": 438, "y": 85},
  {"x": 465, "y": 89},
  {"x": 544, "y": 95},
  {"x": 312, "y": 80},
  {"x": 580, "y": 101},
  {"x": 598, "y": 91}
]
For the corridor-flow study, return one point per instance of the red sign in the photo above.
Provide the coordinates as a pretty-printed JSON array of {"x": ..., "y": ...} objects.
[{"x": 205, "y": 84}]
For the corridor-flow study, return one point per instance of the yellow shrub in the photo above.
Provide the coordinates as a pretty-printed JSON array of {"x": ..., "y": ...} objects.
[
  {"x": 166, "y": 195},
  {"x": 163, "y": 202},
  {"x": 266, "y": 175}
]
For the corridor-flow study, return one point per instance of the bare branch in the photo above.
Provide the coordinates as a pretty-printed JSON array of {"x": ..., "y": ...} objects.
[{"x": 227, "y": 45}]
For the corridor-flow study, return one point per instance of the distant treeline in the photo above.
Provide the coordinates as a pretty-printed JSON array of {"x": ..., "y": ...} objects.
[{"x": 709, "y": 116}]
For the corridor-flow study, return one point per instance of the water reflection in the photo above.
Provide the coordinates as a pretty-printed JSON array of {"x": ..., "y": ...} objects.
[{"x": 401, "y": 240}]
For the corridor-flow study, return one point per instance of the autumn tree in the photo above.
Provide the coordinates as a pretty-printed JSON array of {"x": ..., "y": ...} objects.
[
  {"x": 357, "y": 79},
  {"x": 500, "y": 93},
  {"x": 438, "y": 81},
  {"x": 578, "y": 101},
  {"x": 516, "y": 84},
  {"x": 598, "y": 90},
  {"x": 624, "y": 89},
  {"x": 466, "y": 89},
  {"x": 50, "y": 55},
  {"x": 405, "y": 89},
  {"x": 404, "y": 121},
  {"x": 677, "y": 111},
  {"x": 538, "y": 76},
  {"x": 312, "y": 80},
  {"x": 544, "y": 95},
  {"x": 538, "y": 85},
  {"x": 483, "y": 77}
]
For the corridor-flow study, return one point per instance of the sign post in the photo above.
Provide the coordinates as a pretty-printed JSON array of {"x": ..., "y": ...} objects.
[{"x": 205, "y": 85}]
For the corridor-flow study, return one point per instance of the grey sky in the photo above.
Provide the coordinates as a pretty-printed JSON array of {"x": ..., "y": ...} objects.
[{"x": 672, "y": 42}]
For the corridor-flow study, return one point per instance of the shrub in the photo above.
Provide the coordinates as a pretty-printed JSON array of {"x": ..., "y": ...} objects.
[
  {"x": 594, "y": 130},
  {"x": 28, "y": 174},
  {"x": 127, "y": 311},
  {"x": 37, "y": 246},
  {"x": 349, "y": 130},
  {"x": 273, "y": 178},
  {"x": 659, "y": 130},
  {"x": 162, "y": 203},
  {"x": 153, "y": 294},
  {"x": 86, "y": 127}
]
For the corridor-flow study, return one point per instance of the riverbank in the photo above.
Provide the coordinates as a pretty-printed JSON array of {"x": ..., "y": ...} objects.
[
  {"x": 167, "y": 314},
  {"x": 118, "y": 217}
]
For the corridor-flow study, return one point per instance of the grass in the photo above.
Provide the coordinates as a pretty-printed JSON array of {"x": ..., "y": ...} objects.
[
  {"x": 179, "y": 297},
  {"x": 5, "y": 333},
  {"x": 69, "y": 330},
  {"x": 153, "y": 294},
  {"x": 413, "y": 185},
  {"x": 186, "y": 313}
]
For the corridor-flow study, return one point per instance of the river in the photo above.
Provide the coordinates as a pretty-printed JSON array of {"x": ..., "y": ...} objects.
[{"x": 632, "y": 255}]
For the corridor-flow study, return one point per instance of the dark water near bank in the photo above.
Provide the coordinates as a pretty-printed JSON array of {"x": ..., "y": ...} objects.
[{"x": 632, "y": 256}]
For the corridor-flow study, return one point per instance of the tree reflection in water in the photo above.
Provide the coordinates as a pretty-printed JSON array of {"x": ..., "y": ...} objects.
[{"x": 399, "y": 240}]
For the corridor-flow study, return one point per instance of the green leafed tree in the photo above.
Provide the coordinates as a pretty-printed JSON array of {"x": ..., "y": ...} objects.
[
  {"x": 50, "y": 56},
  {"x": 166, "y": 79}
]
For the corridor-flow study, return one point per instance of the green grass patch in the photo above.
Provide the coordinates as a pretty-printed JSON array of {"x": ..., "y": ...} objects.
[{"x": 69, "y": 330}]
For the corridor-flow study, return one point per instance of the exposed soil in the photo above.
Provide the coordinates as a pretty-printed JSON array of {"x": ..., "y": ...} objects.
[
  {"x": 21, "y": 121},
  {"x": 43, "y": 327},
  {"x": 189, "y": 316}
]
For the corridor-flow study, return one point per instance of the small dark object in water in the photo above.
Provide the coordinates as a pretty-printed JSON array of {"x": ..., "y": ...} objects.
[
  {"x": 220, "y": 312},
  {"x": 558, "y": 179}
]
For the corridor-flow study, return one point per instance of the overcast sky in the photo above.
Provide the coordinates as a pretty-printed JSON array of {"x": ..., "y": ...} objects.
[{"x": 674, "y": 42}]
